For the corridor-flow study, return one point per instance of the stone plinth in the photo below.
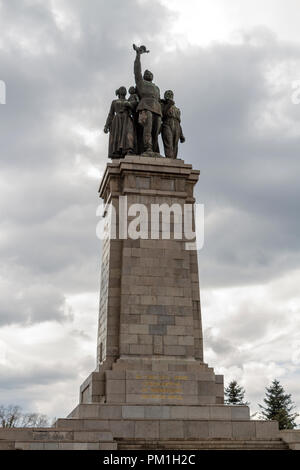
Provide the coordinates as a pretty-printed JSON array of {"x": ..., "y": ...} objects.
[
  {"x": 156, "y": 381},
  {"x": 150, "y": 334},
  {"x": 150, "y": 303}
]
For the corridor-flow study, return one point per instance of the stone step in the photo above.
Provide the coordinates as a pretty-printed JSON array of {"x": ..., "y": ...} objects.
[
  {"x": 141, "y": 444},
  {"x": 143, "y": 411},
  {"x": 80, "y": 424},
  {"x": 56, "y": 439},
  {"x": 55, "y": 434},
  {"x": 294, "y": 445},
  {"x": 181, "y": 429},
  {"x": 291, "y": 437},
  {"x": 67, "y": 435},
  {"x": 57, "y": 445},
  {"x": 7, "y": 445}
]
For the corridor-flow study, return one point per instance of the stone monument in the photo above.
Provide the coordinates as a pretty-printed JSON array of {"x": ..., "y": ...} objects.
[{"x": 151, "y": 388}]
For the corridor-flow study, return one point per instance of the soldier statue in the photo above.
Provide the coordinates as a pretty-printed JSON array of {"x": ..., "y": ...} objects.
[{"x": 149, "y": 107}]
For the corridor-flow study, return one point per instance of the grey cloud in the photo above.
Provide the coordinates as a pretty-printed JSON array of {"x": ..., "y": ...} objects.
[
  {"x": 219, "y": 90},
  {"x": 42, "y": 375},
  {"x": 35, "y": 302},
  {"x": 57, "y": 78},
  {"x": 255, "y": 330},
  {"x": 49, "y": 212},
  {"x": 222, "y": 91},
  {"x": 218, "y": 344},
  {"x": 54, "y": 385}
]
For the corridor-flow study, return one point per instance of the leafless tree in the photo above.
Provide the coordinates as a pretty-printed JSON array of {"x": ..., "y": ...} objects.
[
  {"x": 34, "y": 420},
  {"x": 12, "y": 416}
]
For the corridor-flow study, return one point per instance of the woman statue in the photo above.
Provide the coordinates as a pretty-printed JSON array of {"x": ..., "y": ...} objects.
[
  {"x": 119, "y": 124},
  {"x": 171, "y": 130}
]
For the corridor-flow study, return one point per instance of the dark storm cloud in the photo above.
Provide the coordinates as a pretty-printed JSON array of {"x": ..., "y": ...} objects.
[
  {"x": 249, "y": 170},
  {"x": 58, "y": 77},
  {"x": 50, "y": 74}
]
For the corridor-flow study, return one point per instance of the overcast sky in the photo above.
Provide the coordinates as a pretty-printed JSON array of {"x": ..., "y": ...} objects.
[{"x": 232, "y": 65}]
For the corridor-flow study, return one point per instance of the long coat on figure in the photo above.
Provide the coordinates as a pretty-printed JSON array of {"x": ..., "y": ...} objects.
[
  {"x": 171, "y": 130},
  {"x": 119, "y": 123}
]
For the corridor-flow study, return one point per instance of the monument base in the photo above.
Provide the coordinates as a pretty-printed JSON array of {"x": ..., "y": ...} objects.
[
  {"x": 153, "y": 427},
  {"x": 148, "y": 380},
  {"x": 160, "y": 425}
]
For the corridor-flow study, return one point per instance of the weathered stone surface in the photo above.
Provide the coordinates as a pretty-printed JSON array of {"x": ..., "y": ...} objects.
[
  {"x": 151, "y": 302},
  {"x": 266, "y": 429},
  {"x": 292, "y": 438},
  {"x": 147, "y": 429},
  {"x": 220, "y": 430},
  {"x": 167, "y": 430},
  {"x": 243, "y": 430},
  {"x": 57, "y": 439}
]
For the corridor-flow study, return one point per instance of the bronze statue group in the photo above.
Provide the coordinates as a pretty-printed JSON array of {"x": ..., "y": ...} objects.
[{"x": 134, "y": 123}]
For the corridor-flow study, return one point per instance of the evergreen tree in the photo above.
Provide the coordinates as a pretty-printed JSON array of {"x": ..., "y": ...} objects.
[
  {"x": 234, "y": 394},
  {"x": 279, "y": 406}
]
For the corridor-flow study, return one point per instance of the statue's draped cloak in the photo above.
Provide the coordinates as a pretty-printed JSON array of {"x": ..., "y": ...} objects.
[{"x": 120, "y": 124}]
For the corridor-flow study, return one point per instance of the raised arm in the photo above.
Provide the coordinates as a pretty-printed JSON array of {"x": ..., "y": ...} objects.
[{"x": 138, "y": 69}]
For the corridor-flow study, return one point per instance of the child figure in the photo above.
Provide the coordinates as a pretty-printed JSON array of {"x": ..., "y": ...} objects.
[{"x": 171, "y": 130}]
